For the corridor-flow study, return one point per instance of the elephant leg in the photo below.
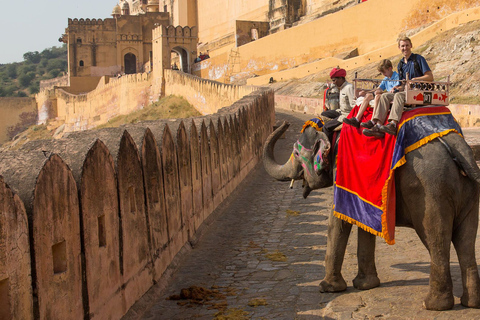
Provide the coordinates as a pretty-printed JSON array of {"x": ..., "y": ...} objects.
[
  {"x": 337, "y": 239},
  {"x": 437, "y": 241},
  {"x": 464, "y": 241},
  {"x": 367, "y": 277}
]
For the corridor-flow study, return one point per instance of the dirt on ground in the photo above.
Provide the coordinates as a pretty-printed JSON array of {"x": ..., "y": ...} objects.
[{"x": 454, "y": 53}]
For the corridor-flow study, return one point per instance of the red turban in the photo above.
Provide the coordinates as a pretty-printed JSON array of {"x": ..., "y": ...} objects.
[{"x": 338, "y": 73}]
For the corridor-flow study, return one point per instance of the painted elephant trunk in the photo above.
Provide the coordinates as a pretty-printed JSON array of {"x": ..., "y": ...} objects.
[{"x": 291, "y": 169}]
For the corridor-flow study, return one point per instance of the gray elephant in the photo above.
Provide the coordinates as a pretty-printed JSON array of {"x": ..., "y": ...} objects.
[{"x": 437, "y": 196}]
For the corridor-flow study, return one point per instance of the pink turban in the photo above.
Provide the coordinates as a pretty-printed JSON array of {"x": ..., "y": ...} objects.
[{"x": 338, "y": 73}]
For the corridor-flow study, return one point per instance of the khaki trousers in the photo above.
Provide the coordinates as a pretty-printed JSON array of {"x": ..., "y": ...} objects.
[{"x": 380, "y": 112}]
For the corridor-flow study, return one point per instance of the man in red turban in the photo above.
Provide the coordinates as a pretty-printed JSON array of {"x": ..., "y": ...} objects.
[
  {"x": 338, "y": 73},
  {"x": 346, "y": 100}
]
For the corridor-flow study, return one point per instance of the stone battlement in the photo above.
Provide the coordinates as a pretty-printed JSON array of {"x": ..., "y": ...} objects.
[{"x": 116, "y": 205}]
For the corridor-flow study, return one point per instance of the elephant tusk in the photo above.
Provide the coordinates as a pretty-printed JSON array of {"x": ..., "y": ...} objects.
[{"x": 291, "y": 183}]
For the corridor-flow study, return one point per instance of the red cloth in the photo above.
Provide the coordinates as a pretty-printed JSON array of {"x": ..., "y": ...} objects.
[
  {"x": 338, "y": 73},
  {"x": 363, "y": 167}
]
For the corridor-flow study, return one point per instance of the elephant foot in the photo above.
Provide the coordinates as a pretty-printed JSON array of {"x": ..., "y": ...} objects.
[
  {"x": 471, "y": 291},
  {"x": 470, "y": 302},
  {"x": 439, "y": 302},
  {"x": 333, "y": 284},
  {"x": 366, "y": 282}
]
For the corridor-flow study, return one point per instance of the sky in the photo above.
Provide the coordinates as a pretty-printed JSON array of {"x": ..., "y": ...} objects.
[{"x": 34, "y": 25}]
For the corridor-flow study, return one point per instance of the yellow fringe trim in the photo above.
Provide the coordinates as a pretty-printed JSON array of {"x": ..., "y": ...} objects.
[
  {"x": 385, "y": 234},
  {"x": 361, "y": 225},
  {"x": 399, "y": 163}
]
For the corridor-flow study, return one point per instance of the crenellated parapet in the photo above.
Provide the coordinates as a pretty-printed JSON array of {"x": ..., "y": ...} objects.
[
  {"x": 87, "y": 21},
  {"x": 130, "y": 199},
  {"x": 175, "y": 32},
  {"x": 129, "y": 37}
]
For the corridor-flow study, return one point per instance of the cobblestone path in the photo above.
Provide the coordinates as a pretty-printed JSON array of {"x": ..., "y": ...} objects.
[{"x": 261, "y": 256}]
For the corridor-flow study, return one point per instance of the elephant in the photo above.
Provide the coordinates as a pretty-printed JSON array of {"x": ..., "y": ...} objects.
[{"x": 435, "y": 195}]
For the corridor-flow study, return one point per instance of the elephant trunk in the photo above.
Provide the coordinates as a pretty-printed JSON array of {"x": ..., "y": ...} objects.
[{"x": 290, "y": 170}]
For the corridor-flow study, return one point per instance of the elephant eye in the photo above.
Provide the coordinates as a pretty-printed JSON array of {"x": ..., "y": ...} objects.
[{"x": 296, "y": 153}]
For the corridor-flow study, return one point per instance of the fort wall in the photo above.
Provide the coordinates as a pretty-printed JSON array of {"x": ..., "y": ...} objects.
[
  {"x": 118, "y": 96},
  {"x": 16, "y": 115},
  {"x": 206, "y": 96},
  {"x": 304, "y": 49},
  {"x": 118, "y": 204},
  {"x": 388, "y": 51},
  {"x": 50, "y": 83}
]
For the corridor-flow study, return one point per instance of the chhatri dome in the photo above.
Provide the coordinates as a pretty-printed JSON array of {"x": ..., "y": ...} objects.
[
  {"x": 152, "y": 6},
  {"x": 117, "y": 11}
]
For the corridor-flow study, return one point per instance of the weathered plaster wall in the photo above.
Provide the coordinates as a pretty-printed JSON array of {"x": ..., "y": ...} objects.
[
  {"x": 205, "y": 95},
  {"x": 16, "y": 114},
  {"x": 15, "y": 267},
  {"x": 111, "y": 98},
  {"x": 390, "y": 50},
  {"x": 299, "y": 104},
  {"x": 163, "y": 179},
  {"x": 243, "y": 32},
  {"x": 466, "y": 115},
  {"x": 313, "y": 46},
  {"x": 50, "y": 83},
  {"x": 118, "y": 96}
]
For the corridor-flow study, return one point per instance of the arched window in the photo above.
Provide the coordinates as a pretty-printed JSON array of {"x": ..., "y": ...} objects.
[
  {"x": 130, "y": 61},
  {"x": 81, "y": 64},
  {"x": 79, "y": 41}
]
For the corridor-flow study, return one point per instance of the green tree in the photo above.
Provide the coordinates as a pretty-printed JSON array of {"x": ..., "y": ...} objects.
[
  {"x": 32, "y": 57},
  {"x": 26, "y": 68},
  {"x": 26, "y": 79},
  {"x": 12, "y": 71},
  {"x": 34, "y": 88},
  {"x": 48, "y": 54},
  {"x": 54, "y": 73},
  {"x": 57, "y": 64}
]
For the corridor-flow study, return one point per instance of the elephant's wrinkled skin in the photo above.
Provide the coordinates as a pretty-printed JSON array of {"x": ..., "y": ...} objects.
[{"x": 433, "y": 196}]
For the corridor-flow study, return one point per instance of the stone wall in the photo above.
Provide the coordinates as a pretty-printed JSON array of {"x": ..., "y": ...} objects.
[
  {"x": 116, "y": 205},
  {"x": 111, "y": 97},
  {"x": 299, "y": 104},
  {"x": 118, "y": 96},
  {"x": 50, "y": 83},
  {"x": 16, "y": 114},
  {"x": 319, "y": 44},
  {"x": 206, "y": 96}
]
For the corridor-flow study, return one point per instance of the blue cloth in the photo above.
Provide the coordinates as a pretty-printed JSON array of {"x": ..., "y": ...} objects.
[
  {"x": 409, "y": 67},
  {"x": 388, "y": 85}
]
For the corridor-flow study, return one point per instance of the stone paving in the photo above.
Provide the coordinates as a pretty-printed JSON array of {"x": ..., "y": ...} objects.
[{"x": 261, "y": 256}]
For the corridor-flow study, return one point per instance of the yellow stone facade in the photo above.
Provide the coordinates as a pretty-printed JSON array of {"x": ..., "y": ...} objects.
[{"x": 111, "y": 46}]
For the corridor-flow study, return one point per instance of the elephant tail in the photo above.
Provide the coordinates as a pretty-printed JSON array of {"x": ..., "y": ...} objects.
[{"x": 462, "y": 155}]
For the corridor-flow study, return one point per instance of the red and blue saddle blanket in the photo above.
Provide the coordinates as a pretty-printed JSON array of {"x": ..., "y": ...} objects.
[{"x": 364, "y": 190}]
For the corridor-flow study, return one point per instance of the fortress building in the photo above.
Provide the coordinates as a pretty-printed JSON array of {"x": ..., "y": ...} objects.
[{"x": 122, "y": 44}]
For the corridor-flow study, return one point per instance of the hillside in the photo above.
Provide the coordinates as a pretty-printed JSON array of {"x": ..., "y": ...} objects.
[
  {"x": 453, "y": 53},
  {"x": 22, "y": 79}
]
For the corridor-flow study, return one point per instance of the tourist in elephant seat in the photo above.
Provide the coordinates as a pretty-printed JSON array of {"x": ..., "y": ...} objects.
[
  {"x": 416, "y": 67},
  {"x": 388, "y": 84}
]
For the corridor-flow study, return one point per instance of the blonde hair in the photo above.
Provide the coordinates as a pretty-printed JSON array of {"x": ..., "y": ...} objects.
[
  {"x": 404, "y": 38},
  {"x": 384, "y": 65}
]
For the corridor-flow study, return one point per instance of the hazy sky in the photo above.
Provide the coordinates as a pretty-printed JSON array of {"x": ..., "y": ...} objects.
[{"x": 34, "y": 25}]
